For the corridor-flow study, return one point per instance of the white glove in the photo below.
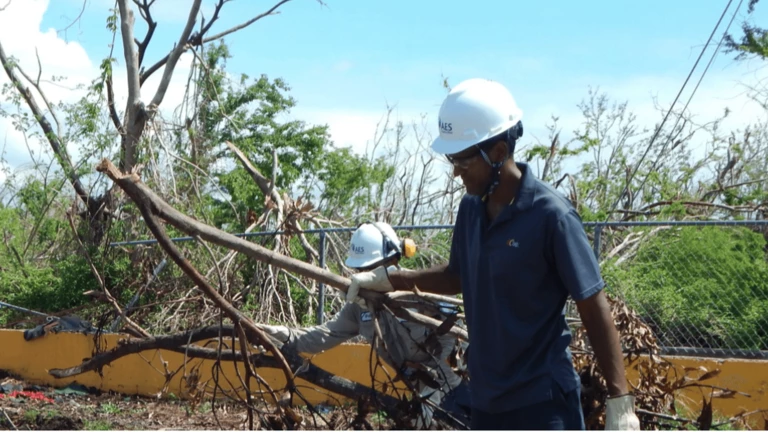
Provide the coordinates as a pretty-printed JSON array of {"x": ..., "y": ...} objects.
[
  {"x": 375, "y": 280},
  {"x": 280, "y": 333},
  {"x": 620, "y": 413}
]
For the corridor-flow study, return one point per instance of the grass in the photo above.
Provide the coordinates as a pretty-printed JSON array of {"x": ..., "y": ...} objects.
[
  {"x": 110, "y": 408},
  {"x": 30, "y": 416},
  {"x": 97, "y": 425},
  {"x": 205, "y": 407},
  {"x": 379, "y": 418}
]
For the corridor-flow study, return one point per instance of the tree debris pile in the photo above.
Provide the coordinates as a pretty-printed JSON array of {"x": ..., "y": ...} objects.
[{"x": 659, "y": 381}]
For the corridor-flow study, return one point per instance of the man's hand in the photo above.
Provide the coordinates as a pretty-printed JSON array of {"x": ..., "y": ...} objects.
[
  {"x": 375, "y": 280},
  {"x": 279, "y": 333},
  {"x": 620, "y": 413}
]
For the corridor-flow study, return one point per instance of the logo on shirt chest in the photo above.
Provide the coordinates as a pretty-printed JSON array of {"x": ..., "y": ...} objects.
[
  {"x": 513, "y": 243},
  {"x": 365, "y": 316}
]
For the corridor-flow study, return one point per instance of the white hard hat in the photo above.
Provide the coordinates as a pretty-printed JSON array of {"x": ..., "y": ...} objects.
[
  {"x": 473, "y": 111},
  {"x": 372, "y": 244}
]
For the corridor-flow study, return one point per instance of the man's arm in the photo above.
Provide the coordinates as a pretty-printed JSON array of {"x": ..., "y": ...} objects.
[
  {"x": 580, "y": 273},
  {"x": 596, "y": 317},
  {"x": 438, "y": 280},
  {"x": 340, "y": 328}
]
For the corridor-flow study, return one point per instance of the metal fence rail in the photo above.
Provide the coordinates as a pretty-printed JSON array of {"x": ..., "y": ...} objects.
[{"x": 702, "y": 286}]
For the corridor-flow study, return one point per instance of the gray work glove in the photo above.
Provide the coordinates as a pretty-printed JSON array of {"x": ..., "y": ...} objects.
[
  {"x": 374, "y": 280},
  {"x": 279, "y": 333}
]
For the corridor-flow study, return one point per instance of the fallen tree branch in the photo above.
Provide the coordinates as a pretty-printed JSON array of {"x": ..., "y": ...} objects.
[
  {"x": 256, "y": 175},
  {"x": 255, "y": 335},
  {"x": 152, "y": 205},
  {"x": 142, "y": 194},
  {"x": 182, "y": 343},
  {"x": 427, "y": 296}
]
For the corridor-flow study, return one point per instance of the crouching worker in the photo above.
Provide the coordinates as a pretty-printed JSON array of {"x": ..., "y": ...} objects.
[{"x": 407, "y": 344}]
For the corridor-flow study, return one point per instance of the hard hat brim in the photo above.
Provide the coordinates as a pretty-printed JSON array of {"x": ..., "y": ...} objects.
[
  {"x": 359, "y": 262},
  {"x": 443, "y": 146}
]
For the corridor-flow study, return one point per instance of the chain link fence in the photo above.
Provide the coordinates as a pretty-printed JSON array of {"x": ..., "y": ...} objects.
[{"x": 701, "y": 286}]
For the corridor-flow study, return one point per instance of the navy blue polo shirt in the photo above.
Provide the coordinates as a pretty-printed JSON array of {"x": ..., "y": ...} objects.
[{"x": 516, "y": 274}]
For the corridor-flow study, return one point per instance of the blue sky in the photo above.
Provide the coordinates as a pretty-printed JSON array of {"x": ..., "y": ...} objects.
[{"x": 346, "y": 60}]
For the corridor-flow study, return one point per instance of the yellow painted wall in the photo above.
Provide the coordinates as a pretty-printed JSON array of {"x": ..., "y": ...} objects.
[
  {"x": 143, "y": 374},
  {"x": 747, "y": 376}
]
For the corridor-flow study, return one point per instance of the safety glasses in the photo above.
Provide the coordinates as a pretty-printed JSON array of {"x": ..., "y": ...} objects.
[{"x": 464, "y": 161}]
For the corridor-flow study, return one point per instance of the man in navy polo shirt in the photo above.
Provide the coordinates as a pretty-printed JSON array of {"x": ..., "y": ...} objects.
[{"x": 518, "y": 251}]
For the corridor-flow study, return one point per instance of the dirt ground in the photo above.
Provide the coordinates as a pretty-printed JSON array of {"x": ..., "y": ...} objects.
[{"x": 29, "y": 407}]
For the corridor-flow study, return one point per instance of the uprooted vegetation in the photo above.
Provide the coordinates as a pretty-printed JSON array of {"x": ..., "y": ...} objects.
[{"x": 226, "y": 162}]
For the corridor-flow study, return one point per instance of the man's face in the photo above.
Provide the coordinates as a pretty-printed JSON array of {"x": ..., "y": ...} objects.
[{"x": 472, "y": 167}]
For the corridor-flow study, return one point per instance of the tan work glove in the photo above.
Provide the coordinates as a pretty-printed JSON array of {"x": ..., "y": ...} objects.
[
  {"x": 375, "y": 280},
  {"x": 620, "y": 413}
]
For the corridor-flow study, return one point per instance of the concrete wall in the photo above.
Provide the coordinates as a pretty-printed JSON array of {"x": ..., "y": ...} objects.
[{"x": 144, "y": 374}]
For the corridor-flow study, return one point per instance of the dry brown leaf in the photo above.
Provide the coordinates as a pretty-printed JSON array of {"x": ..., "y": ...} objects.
[{"x": 709, "y": 375}]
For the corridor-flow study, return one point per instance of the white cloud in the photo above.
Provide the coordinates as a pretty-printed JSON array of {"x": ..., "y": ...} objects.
[
  {"x": 22, "y": 36},
  {"x": 24, "y": 40}
]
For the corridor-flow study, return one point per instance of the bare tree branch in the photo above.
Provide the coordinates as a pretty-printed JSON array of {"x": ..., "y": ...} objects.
[
  {"x": 271, "y": 11},
  {"x": 111, "y": 104},
  {"x": 53, "y": 139},
  {"x": 144, "y": 7},
  {"x": 135, "y": 113},
  {"x": 257, "y": 176},
  {"x": 198, "y": 39},
  {"x": 173, "y": 57},
  {"x": 129, "y": 52}
]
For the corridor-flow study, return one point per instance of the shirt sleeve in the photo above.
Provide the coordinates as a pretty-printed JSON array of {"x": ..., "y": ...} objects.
[
  {"x": 340, "y": 328},
  {"x": 574, "y": 258}
]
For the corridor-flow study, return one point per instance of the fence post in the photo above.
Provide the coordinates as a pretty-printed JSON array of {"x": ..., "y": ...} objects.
[
  {"x": 321, "y": 286},
  {"x": 596, "y": 242}
]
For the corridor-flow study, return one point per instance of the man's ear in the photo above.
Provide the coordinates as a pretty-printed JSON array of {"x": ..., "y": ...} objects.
[{"x": 499, "y": 151}]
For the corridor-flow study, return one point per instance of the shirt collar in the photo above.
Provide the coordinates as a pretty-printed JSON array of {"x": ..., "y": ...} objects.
[{"x": 526, "y": 191}]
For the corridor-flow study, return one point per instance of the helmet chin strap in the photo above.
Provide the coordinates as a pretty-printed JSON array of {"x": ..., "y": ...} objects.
[
  {"x": 513, "y": 134},
  {"x": 495, "y": 175}
]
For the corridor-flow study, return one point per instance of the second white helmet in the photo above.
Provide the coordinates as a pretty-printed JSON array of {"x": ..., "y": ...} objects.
[
  {"x": 475, "y": 110},
  {"x": 372, "y": 244}
]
